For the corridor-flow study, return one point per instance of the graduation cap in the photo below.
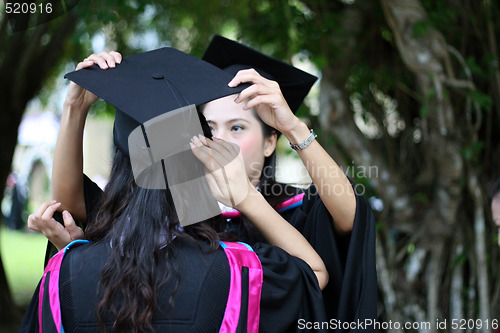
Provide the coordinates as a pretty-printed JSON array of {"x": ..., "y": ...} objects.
[
  {"x": 155, "y": 95},
  {"x": 232, "y": 56},
  {"x": 146, "y": 85}
]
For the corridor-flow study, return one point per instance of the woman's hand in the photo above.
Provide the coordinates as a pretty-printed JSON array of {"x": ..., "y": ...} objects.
[
  {"x": 265, "y": 96},
  {"x": 42, "y": 221},
  {"x": 80, "y": 98},
  {"x": 230, "y": 185},
  {"x": 226, "y": 173}
]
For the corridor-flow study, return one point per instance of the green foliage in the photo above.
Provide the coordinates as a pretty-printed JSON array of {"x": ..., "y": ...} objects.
[
  {"x": 386, "y": 34},
  {"x": 411, "y": 248},
  {"x": 483, "y": 100},
  {"x": 428, "y": 101},
  {"x": 359, "y": 78},
  {"x": 421, "y": 197},
  {"x": 441, "y": 15},
  {"x": 474, "y": 67},
  {"x": 421, "y": 28},
  {"x": 424, "y": 111},
  {"x": 461, "y": 258},
  {"x": 490, "y": 62},
  {"x": 472, "y": 151}
]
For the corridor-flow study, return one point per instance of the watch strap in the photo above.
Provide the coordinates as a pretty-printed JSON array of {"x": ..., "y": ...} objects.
[{"x": 304, "y": 144}]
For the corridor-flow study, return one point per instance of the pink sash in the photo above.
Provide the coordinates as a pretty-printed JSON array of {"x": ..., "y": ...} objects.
[
  {"x": 242, "y": 255},
  {"x": 293, "y": 202},
  {"x": 52, "y": 272},
  {"x": 238, "y": 254}
]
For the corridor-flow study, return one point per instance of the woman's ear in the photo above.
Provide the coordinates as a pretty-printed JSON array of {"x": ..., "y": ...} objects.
[{"x": 270, "y": 144}]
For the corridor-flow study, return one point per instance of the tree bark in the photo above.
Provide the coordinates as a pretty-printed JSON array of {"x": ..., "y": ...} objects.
[
  {"x": 9, "y": 313},
  {"x": 457, "y": 286},
  {"x": 480, "y": 249}
]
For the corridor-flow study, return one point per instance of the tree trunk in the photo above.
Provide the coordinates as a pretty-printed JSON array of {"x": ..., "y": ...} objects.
[
  {"x": 9, "y": 313},
  {"x": 423, "y": 183},
  {"x": 25, "y": 66}
]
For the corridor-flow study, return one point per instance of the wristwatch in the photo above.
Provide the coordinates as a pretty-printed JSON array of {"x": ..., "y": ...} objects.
[{"x": 304, "y": 144}]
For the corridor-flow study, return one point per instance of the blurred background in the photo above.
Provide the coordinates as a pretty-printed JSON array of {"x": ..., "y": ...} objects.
[{"x": 407, "y": 103}]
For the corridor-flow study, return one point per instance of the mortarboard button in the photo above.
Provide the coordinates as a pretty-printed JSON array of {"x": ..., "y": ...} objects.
[{"x": 157, "y": 76}]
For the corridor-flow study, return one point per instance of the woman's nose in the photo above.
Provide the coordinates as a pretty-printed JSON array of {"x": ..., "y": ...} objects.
[{"x": 221, "y": 134}]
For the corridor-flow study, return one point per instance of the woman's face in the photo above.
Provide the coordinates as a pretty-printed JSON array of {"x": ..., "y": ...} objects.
[{"x": 228, "y": 121}]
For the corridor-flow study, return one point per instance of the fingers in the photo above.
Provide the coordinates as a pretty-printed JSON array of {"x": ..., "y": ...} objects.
[
  {"x": 247, "y": 75},
  {"x": 69, "y": 222},
  {"x": 74, "y": 231},
  {"x": 203, "y": 139},
  {"x": 49, "y": 212},
  {"x": 203, "y": 153},
  {"x": 84, "y": 64},
  {"x": 108, "y": 58},
  {"x": 43, "y": 207},
  {"x": 226, "y": 173},
  {"x": 104, "y": 60},
  {"x": 117, "y": 56},
  {"x": 265, "y": 88},
  {"x": 214, "y": 154},
  {"x": 262, "y": 91},
  {"x": 248, "y": 93},
  {"x": 226, "y": 151},
  {"x": 98, "y": 60},
  {"x": 218, "y": 145},
  {"x": 32, "y": 223},
  {"x": 271, "y": 100},
  {"x": 42, "y": 221},
  {"x": 261, "y": 85}
]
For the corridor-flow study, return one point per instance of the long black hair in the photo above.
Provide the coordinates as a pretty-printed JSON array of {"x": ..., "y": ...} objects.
[{"x": 140, "y": 226}]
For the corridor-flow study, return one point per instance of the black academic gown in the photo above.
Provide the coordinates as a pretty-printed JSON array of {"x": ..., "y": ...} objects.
[
  {"x": 350, "y": 297},
  {"x": 351, "y": 293},
  {"x": 289, "y": 292}
]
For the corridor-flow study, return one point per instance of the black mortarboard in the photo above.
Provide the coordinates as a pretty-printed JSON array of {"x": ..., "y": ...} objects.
[
  {"x": 155, "y": 94},
  {"x": 233, "y": 56},
  {"x": 144, "y": 86}
]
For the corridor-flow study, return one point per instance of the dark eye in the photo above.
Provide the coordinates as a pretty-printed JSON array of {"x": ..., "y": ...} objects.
[
  {"x": 237, "y": 128},
  {"x": 211, "y": 129}
]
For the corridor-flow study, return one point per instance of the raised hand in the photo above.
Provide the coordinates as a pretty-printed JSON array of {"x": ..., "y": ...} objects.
[
  {"x": 80, "y": 98},
  {"x": 265, "y": 96},
  {"x": 226, "y": 173}
]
